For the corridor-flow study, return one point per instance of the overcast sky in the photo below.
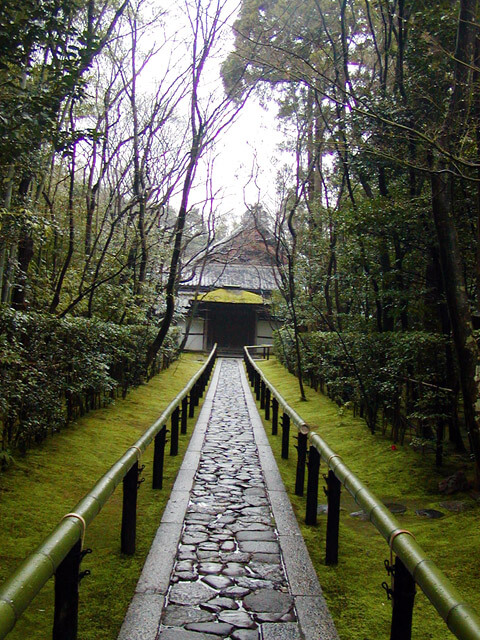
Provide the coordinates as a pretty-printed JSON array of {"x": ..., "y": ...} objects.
[
  {"x": 246, "y": 156},
  {"x": 247, "y": 153},
  {"x": 246, "y": 160}
]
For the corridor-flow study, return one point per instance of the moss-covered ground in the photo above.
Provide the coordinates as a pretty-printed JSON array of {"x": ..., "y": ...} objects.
[
  {"x": 353, "y": 589},
  {"x": 47, "y": 483}
]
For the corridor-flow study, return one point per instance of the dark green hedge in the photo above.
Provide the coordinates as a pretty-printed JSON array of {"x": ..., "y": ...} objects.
[
  {"x": 52, "y": 371},
  {"x": 398, "y": 376}
]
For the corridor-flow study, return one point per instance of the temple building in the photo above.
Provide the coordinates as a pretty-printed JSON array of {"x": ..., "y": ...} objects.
[{"x": 227, "y": 297}]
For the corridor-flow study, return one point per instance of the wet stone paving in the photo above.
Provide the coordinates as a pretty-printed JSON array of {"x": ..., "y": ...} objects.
[{"x": 228, "y": 579}]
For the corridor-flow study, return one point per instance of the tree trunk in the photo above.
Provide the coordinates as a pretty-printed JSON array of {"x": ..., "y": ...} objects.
[
  {"x": 71, "y": 231},
  {"x": 142, "y": 271},
  {"x": 24, "y": 256},
  {"x": 476, "y": 108},
  {"x": 466, "y": 346},
  {"x": 296, "y": 329},
  {"x": 459, "y": 310},
  {"x": 24, "y": 253},
  {"x": 155, "y": 346}
]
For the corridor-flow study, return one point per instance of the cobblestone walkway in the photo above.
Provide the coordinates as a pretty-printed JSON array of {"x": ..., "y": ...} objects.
[
  {"x": 228, "y": 577},
  {"x": 228, "y": 560}
]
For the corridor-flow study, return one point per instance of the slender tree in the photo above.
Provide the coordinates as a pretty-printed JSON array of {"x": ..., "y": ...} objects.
[{"x": 208, "y": 117}]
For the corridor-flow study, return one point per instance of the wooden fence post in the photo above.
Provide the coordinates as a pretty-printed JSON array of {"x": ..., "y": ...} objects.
[
  {"x": 285, "y": 435},
  {"x": 158, "y": 458},
  {"x": 129, "y": 511},
  {"x": 333, "y": 518},
  {"x": 65, "y": 617},
  {"x": 257, "y": 385},
  {"x": 262, "y": 394},
  {"x": 267, "y": 403},
  {"x": 183, "y": 427},
  {"x": 192, "y": 402},
  {"x": 312, "y": 486},
  {"x": 403, "y": 600},
  {"x": 301, "y": 463},
  {"x": 274, "y": 416}
]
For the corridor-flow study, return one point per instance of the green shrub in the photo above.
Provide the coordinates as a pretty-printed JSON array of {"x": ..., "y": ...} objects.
[
  {"x": 53, "y": 370},
  {"x": 398, "y": 375}
]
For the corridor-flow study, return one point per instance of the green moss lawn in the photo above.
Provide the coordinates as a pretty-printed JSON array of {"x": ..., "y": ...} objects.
[
  {"x": 47, "y": 483},
  {"x": 353, "y": 588}
]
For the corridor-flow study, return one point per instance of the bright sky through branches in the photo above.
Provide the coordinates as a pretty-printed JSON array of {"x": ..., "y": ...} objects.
[{"x": 245, "y": 157}]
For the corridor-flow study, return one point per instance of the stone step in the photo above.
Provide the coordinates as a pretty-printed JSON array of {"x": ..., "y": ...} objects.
[{"x": 228, "y": 560}]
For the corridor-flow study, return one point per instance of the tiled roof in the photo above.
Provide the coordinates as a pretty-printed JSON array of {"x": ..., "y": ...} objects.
[{"x": 248, "y": 277}]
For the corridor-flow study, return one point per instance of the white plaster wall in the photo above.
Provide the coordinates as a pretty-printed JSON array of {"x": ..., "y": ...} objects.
[
  {"x": 195, "y": 337},
  {"x": 264, "y": 332}
]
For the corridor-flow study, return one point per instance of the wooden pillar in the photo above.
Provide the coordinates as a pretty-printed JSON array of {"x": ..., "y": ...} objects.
[
  {"x": 333, "y": 518},
  {"x": 285, "y": 435},
  {"x": 65, "y": 617},
  {"x": 301, "y": 463},
  {"x": 183, "y": 427},
  {"x": 312, "y": 486},
  {"x": 403, "y": 600},
  {"x": 158, "y": 458},
  {"x": 129, "y": 512}
]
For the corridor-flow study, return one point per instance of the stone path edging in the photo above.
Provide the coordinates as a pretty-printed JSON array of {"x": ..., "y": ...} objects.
[
  {"x": 144, "y": 611},
  {"x": 312, "y": 611},
  {"x": 143, "y": 616}
]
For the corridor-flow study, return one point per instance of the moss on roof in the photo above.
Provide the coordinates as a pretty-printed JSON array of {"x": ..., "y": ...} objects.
[{"x": 236, "y": 296}]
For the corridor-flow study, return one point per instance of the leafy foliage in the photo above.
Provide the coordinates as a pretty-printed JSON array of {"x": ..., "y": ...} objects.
[
  {"x": 44, "y": 485},
  {"x": 379, "y": 103},
  {"x": 53, "y": 370},
  {"x": 393, "y": 474},
  {"x": 401, "y": 376}
]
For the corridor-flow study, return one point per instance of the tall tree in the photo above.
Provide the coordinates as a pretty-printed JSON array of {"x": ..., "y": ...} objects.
[
  {"x": 209, "y": 115},
  {"x": 443, "y": 208},
  {"x": 375, "y": 72},
  {"x": 45, "y": 50}
]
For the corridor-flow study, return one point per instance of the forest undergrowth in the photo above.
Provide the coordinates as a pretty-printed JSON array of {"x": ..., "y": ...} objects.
[
  {"x": 395, "y": 474},
  {"x": 51, "y": 478}
]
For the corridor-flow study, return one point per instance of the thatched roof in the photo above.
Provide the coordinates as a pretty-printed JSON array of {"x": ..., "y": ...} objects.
[{"x": 259, "y": 279}]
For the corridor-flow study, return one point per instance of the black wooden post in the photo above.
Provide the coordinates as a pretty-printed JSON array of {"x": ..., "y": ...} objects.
[
  {"x": 312, "y": 486},
  {"x": 174, "y": 432},
  {"x": 257, "y": 385},
  {"x": 158, "y": 458},
  {"x": 274, "y": 416},
  {"x": 301, "y": 463},
  {"x": 183, "y": 427},
  {"x": 262, "y": 394},
  {"x": 201, "y": 386},
  {"x": 439, "y": 444},
  {"x": 129, "y": 512},
  {"x": 333, "y": 518},
  {"x": 403, "y": 599},
  {"x": 249, "y": 369},
  {"x": 211, "y": 365},
  {"x": 267, "y": 403},
  {"x": 191, "y": 409},
  {"x": 65, "y": 617},
  {"x": 198, "y": 392},
  {"x": 285, "y": 435}
]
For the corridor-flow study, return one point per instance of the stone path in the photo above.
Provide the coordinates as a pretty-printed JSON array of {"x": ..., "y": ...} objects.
[{"x": 238, "y": 571}]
